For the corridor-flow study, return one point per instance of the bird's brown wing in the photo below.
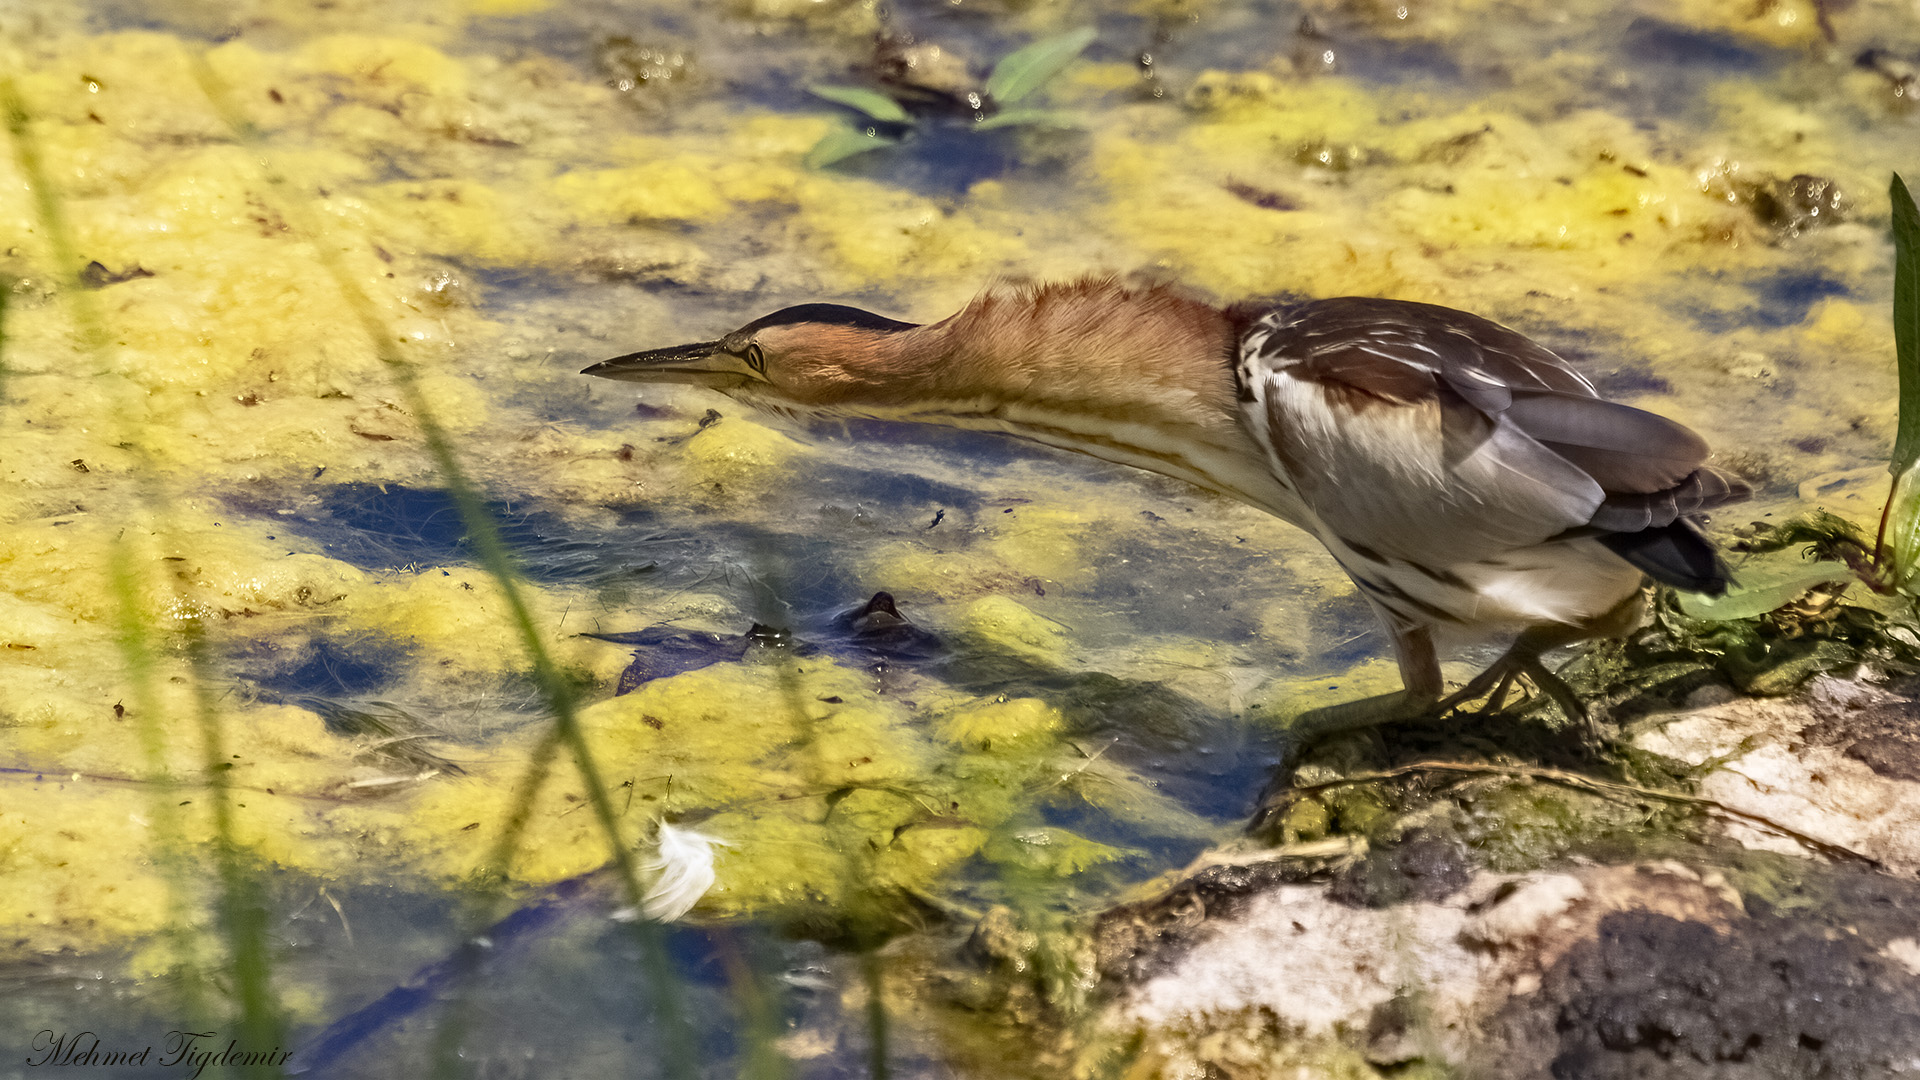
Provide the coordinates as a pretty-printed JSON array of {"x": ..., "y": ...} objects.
[{"x": 1427, "y": 433}]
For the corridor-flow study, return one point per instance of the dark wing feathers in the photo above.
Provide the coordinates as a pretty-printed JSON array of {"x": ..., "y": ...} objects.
[
  {"x": 1366, "y": 352},
  {"x": 1480, "y": 359},
  {"x": 1702, "y": 490},
  {"x": 1623, "y": 448}
]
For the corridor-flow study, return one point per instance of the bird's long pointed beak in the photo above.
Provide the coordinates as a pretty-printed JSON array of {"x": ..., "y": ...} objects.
[{"x": 701, "y": 363}]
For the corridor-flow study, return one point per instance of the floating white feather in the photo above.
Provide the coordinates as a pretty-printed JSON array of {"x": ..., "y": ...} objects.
[{"x": 683, "y": 865}]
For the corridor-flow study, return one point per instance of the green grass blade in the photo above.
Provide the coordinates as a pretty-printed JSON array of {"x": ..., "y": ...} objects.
[
  {"x": 1898, "y": 549},
  {"x": 1022, "y": 72},
  {"x": 872, "y": 102},
  {"x": 134, "y": 630},
  {"x": 678, "y": 1055},
  {"x": 878, "y": 1036},
  {"x": 1764, "y": 592},
  {"x": 1906, "y": 322},
  {"x": 1027, "y": 118},
  {"x": 842, "y": 143}
]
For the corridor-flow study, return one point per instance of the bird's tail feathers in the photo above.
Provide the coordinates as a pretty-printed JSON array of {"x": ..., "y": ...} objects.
[{"x": 1674, "y": 554}]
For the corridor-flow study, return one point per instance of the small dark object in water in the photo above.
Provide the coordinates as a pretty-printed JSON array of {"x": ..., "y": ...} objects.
[
  {"x": 1803, "y": 202},
  {"x": 663, "y": 652},
  {"x": 97, "y": 276},
  {"x": 878, "y": 626},
  {"x": 1265, "y": 200},
  {"x": 769, "y": 637}
]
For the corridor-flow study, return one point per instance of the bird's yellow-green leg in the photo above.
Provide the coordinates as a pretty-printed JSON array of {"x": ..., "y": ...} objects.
[
  {"x": 1522, "y": 658},
  {"x": 1419, "y": 674}
]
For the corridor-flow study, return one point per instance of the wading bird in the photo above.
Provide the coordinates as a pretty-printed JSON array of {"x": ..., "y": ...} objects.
[{"x": 1469, "y": 481}]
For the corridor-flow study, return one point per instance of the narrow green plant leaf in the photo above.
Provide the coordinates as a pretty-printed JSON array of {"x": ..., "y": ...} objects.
[
  {"x": 1906, "y": 322},
  {"x": 1022, "y": 72},
  {"x": 844, "y": 142},
  {"x": 1762, "y": 591},
  {"x": 872, "y": 102},
  {"x": 1900, "y": 521},
  {"x": 1027, "y": 118}
]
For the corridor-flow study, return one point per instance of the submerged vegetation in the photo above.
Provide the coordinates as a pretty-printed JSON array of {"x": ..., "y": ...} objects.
[
  {"x": 370, "y": 679},
  {"x": 993, "y": 105}
]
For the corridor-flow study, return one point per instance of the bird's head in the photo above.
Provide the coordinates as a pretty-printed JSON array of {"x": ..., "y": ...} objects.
[{"x": 813, "y": 356}]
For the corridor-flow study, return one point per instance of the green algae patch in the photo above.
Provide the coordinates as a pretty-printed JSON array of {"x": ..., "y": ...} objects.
[
  {"x": 875, "y": 232},
  {"x": 1001, "y": 725},
  {"x": 1286, "y": 699},
  {"x": 1046, "y": 542},
  {"x": 84, "y": 849},
  {"x": 1783, "y": 23},
  {"x": 1056, "y": 851},
  {"x": 923, "y": 571},
  {"x": 741, "y": 453},
  {"x": 754, "y": 745},
  {"x": 1126, "y": 797},
  {"x": 1007, "y": 624}
]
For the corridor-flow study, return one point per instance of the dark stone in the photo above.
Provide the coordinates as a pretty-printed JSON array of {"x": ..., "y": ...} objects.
[
  {"x": 1654, "y": 997},
  {"x": 1424, "y": 868},
  {"x": 1135, "y": 942},
  {"x": 1393, "y": 1030},
  {"x": 1885, "y": 737},
  {"x": 1896, "y": 757}
]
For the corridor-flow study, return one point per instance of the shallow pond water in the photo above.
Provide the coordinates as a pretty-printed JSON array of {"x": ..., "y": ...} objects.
[{"x": 223, "y": 523}]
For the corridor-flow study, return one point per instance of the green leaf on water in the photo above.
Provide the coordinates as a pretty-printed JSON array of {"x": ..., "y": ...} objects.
[
  {"x": 872, "y": 102},
  {"x": 1027, "y": 118},
  {"x": 1762, "y": 590},
  {"x": 844, "y": 142},
  {"x": 1022, "y": 72}
]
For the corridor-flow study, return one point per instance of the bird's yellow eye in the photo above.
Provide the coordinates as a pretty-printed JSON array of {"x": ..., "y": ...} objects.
[{"x": 756, "y": 359}]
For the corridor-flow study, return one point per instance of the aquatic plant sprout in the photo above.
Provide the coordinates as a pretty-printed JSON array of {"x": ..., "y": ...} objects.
[
  {"x": 1013, "y": 79},
  {"x": 1020, "y": 73}
]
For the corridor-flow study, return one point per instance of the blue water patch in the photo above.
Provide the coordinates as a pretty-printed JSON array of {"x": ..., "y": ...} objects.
[
  {"x": 1782, "y": 299},
  {"x": 392, "y": 526},
  {"x": 1786, "y": 297},
  {"x": 1654, "y": 42},
  {"x": 890, "y": 489},
  {"x": 333, "y": 670},
  {"x": 943, "y": 156}
]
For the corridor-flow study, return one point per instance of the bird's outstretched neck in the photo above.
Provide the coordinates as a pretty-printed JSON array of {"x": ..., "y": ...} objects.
[
  {"x": 1142, "y": 376},
  {"x": 1144, "y": 349}
]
